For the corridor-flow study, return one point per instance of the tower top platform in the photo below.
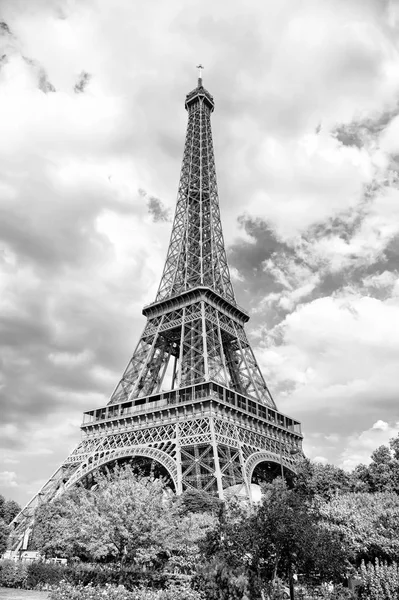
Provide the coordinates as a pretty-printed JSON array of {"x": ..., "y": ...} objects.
[{"x": 200, "y": 93}]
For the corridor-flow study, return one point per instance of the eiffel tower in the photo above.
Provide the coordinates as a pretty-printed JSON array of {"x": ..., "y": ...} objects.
[{"x": 192, "y": 399}]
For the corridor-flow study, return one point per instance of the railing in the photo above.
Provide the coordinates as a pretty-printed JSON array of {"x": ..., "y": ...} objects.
[{"x": 189, "y": 395}]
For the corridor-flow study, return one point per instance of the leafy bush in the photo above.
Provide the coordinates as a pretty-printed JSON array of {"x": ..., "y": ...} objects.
[
  {"x": 338, "y": 593},
  {"x": 180, "y": 592},
  {"x": 13, "y": 574},
  {"x": 41, "y": 574},
  {"x": 67, "y": 591},
  {"x": 380, "y": 581}
]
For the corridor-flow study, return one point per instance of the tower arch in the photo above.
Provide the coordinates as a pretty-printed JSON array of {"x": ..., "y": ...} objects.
[
  {"x": 105, "y": 457},
  {"x": 282, "y": 464}
]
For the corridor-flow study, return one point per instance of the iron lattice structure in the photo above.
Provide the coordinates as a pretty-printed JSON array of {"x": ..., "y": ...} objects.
[{"x": 218, "y": 420}]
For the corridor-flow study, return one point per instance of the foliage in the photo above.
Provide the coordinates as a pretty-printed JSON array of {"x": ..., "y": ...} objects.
[
  {"x": 289, "y": 537},
  {"x": 11, "y": 509},
  {"x": 198, "y": 501},
  {"x": 180, "y": 592},
  {"x": 249, "y": 548},
  {"x": 41, "y": 574},
  {"x": 225, "y": 571},
  {"x": 369, "y": 523},
  {"x": 126, "y": 520},
  {"x": 67, "y": 591},
  {"x": 380, "y": 581},
  {"x": 337, "y": 593},
  {"x": 123, "y": 518},
  {"x": 4, "y": 532},
  {"x": 8, "y": 510},
  {"x": 184, "y": 545},
  {"x": 13, "y": 574},
  {"x": 382, "y": 474},
  {"x": 325, "y": 481},
  {"x": 220, "y": 580}
]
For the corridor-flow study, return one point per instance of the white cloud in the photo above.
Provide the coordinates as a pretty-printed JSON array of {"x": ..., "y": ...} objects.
[
  {"x": 8, "y": 479},
  {"x": 302, "y": 171},
  {"x": 334, "y": 357},
  {"x": 359, "y": 446},
  {"x": 321, "y": 459},
  {"x": 79, "y": 252}
]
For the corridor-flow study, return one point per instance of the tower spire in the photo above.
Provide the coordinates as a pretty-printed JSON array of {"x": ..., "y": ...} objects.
[
  {"x": 200, "y": 67},
  {"x": 196, "y": 254}
]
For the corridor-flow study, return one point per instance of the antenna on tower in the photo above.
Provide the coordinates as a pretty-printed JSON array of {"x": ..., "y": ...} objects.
[{"x": 199, "y": 67}]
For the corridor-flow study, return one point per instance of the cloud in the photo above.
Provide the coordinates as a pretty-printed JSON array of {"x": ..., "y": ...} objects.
[
  {"x": 305, "y": 124},
  {"x": 156, "y": 208},
  {"x": 8, "y": 479},
  {"x": 360, "y": 446},
  {"x": 327, "y": 360},
  {"x": 82, "y": 82}
]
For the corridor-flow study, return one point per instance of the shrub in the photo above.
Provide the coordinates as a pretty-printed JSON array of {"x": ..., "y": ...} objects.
[
  {"x": 380, "y": 581},
  {"x": 13, "y": 574},
  {"x": 67, "y": 591},
  {"x": 180, "y": 592},
  {"x": 338, "y": 593},
  {"x": 41, "y": 574}
]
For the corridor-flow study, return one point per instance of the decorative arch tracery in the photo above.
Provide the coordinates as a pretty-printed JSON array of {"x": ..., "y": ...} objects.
[
  {"x": 255, "y": 459},
  {"x": 105, "y": 456}
]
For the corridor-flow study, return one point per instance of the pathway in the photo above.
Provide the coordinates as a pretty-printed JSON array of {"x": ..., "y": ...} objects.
[{"x": 12, "y": 594}]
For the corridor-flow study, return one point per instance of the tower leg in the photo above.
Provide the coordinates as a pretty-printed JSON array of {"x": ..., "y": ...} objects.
[
  {"x": 218, "y": 473},
  {"x": 244, "y": 473},
  {"x": 179, "y": 489}
]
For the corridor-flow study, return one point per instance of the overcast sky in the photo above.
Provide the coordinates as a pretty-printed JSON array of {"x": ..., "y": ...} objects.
[{"x": 306, "y": 132}]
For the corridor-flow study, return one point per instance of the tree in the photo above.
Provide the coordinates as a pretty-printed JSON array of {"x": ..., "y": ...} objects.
[
  {"x": 11, "y": 509},
  {"x": 8, "y": 510},
  {"x": 4, "y": 533},
  {"x": 316, "y": 479},
  {"x": 382, "y": 474},
  {"x": 2, "y": 503},
  {"x": 122, "y": 518},
  {"x": 369, "y": 524},
  {"x": 185, "y": 540},
  {"x": 250, "y": 548},
  {"x": 225, "y": 572},
  {"x": 198, "y": 501},
  {"x": 289, "y": 538}
]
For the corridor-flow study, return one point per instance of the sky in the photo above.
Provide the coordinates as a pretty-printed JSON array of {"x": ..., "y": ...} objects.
[{"x": 306, "y": 134}]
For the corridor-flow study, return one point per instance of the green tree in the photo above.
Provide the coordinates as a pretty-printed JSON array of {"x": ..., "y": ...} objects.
[
  {"x": 4, "y": 533},
  {"x": 122, "y": 518},
  {"x": 2, "y": 503},
  {"x": 11, "y": 509},
  {"x": 382, "y": 474},
  {"x": 290, "y": 538},
  {"x": 316, "y": 479},
  {"x": 226, "y": 570},
  {"x": 185, "y": 541},
  {"x": 368, "y": 523},
  {"x": 249, "y": 548},
  {"x": 198, "y": 501}
]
